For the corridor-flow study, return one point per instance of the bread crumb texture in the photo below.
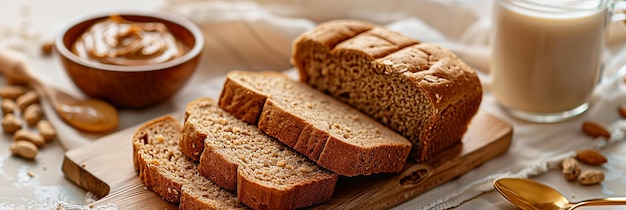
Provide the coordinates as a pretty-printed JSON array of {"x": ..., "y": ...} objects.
[
  {"x": 166, "y": 171},
  {"x": 270, "y": 161},
  {"x": 269, "y": 173},
  {"x": 335, "y": 135},
  {"x": 420, "y": 90}
]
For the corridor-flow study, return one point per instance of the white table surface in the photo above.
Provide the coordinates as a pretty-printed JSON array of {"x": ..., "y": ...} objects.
[
  {"x": 24, "y": 25},
  {"x": 40, "y": 20}
]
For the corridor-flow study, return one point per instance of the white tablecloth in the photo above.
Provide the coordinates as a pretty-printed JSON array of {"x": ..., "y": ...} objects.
[{"x": 257, "y": 36}]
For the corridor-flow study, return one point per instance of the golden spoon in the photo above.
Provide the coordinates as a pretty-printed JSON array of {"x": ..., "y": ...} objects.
[
  {"x": 528, "y": 194},
  {"x": 89, "y": 115}
]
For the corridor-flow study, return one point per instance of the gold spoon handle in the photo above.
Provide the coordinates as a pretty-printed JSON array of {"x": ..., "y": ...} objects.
[{"x": 601, "y": 202}]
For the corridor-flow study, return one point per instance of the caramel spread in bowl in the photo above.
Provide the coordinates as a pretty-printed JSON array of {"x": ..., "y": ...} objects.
[{"x": 117, "y": 41}]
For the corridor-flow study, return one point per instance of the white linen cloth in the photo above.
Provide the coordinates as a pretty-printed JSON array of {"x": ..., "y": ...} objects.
[{"x": 260, "y": 34}]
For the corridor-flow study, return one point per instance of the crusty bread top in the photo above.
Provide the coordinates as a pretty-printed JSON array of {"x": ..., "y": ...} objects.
[
  {"x": 166, "y": 171},
  {"x": 425, "y": 63},
  {"x": 421, "y": 90}
]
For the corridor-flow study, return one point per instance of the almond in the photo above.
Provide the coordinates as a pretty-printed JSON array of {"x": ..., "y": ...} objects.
[
  {"x": 595, "y": 129},
  {"x": 591, "y": 157}
]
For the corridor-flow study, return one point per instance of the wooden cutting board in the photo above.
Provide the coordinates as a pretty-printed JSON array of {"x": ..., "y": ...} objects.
[{"x": 106, "y": 169}]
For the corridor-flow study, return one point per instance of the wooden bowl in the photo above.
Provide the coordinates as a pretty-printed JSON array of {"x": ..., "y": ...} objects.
[{"x": 131, "y": 86}]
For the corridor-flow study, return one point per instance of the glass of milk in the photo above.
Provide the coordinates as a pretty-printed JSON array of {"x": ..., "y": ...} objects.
[{"x": 546, "y": 56}]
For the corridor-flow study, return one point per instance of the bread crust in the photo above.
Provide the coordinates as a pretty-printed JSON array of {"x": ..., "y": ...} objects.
[
  {"x": 257, "y": 196},
  {"x": 193, "y": 143},
  {"x": 328, "y": 151},
  {"x": 317, "y": 143},
  {"x": 241, "y": 102},
  {"x": 150, "y": 173},
  {"x": 449, "y": 89},
  {"x": 294, "y": 131},
  {"x": 228, "y": 171},
  {"x": 218, "y": 169},
  {"x": 171, "y": 175}
]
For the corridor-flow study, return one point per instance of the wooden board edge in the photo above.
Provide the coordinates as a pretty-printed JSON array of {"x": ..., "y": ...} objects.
[
  {"x": 79, "y": 168},
  {"x": 77, "y": 174}
]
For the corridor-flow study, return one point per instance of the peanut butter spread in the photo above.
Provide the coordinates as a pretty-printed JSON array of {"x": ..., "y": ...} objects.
[{"x": 117, "y": 41}]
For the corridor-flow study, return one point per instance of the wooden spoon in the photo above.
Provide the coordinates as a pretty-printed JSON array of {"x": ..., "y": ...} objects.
[
  {"x": 528, "y": 194},
  {"x": 91, "y": 115}
]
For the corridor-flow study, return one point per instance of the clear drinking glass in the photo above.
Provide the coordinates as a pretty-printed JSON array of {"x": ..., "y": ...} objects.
[{"x": 547, "y": 55}]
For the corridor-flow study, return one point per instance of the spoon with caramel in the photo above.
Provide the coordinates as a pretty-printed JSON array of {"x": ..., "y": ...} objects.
[{"x": 90, "y": 115}]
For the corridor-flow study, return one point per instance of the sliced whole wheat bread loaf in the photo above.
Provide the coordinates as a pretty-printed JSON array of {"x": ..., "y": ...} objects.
[
  {"x": 420, "y": 90},
  {"x": 333, "y": 134},
  {"x": 166, "y": 171},
  {"x": 238, "y": 156}
]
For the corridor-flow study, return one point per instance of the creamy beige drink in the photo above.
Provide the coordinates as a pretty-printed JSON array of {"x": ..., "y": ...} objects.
[{"x": 546, "y": 58}]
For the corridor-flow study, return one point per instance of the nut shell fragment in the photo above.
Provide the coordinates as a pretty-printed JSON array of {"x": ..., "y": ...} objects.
[
  {"x": 570, "y": 169},
  {"x": 591, "y": 177}
]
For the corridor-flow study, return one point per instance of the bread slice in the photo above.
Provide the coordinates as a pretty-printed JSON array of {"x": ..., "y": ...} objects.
[
  {"x": 333, "y": 134},
  {"x": 238, "y": 156},
  {"x": 420, "y": 90},
  {"x": 166, "y": 171}
]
